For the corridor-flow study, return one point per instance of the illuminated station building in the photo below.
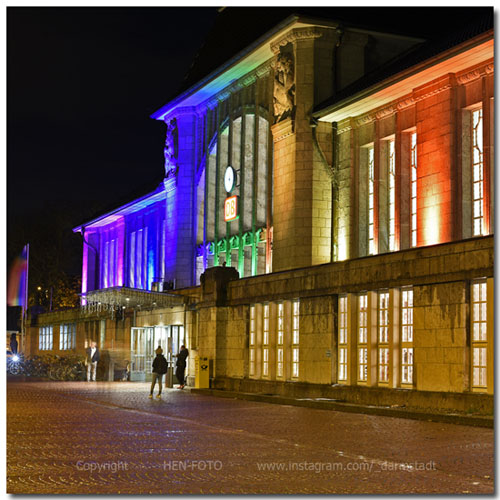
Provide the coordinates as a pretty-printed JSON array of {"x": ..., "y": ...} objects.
[{"x": 324, "y": 227}]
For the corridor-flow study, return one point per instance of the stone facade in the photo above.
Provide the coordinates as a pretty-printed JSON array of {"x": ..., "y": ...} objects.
[{"x": 357, "y": 224}]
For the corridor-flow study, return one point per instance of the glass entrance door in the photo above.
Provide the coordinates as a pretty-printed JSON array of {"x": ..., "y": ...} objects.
[
  {"x": 143, "y": 343},
  {"x": 141, "y": 355}
]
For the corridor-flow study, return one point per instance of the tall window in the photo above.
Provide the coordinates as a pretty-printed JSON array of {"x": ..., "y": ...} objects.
[
  {"x": 407, "y": 336},
  {"x": 343, "y": 341},
  {"x": 295, "y": 338},
  {"x": 45, "y": 338},
  {"x": 362, "y": 337},
  {"x": 280, "y": 341},
  {"x": 102, "y": 330},
  {"x": 241, "y": 142},
  {"x": 131, "y": 262},
  {"x": 383, "y": 337},
  {"x": 67, "y": 336},
  {"x": 138, "y": 262},
  {"x": 109, "y": 264},
  {"x": 163, "y": 247},
  {"x": 391, "y": 158},
  {"x": 251, "y": 370},
  {"x": 265, "y": 342},
  {"x": 477, "y": 172},
  {"x": 479, "y": 335},
  {"x": 371, "y": 202},
  {"x": 413, "y": 174}
]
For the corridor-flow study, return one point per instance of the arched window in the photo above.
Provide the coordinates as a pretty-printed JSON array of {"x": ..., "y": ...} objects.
[{"x": 242, "y": 144}]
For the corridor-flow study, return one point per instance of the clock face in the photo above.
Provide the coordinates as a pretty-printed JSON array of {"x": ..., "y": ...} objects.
[{"x": 229, "y": 179}]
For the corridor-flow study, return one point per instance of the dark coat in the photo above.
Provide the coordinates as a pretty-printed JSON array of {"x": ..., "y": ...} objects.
[
  {"x": 95, "y": 357},
  {"x": 181, "y": 358},
  {"x": 13, "y": 346},
  {"x": 160, "y": 364}
]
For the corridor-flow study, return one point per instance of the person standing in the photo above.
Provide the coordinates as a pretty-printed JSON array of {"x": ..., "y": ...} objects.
[
  {"x": 160, "y": 367},
  {"x": 13, "y": 344},
  {"x": 181, "y": 366},
  {"x": 93, "y": 357}
]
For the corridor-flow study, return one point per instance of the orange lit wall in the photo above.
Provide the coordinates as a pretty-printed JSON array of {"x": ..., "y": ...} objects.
[{"x": 435, "y": 119}]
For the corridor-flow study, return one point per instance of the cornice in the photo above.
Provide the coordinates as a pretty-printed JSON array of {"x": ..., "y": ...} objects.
[
  {"x": 245, "y": 81},
  {"x": 170, "y": 183},
  {"x": 299, "y": 34},
  {"x": 283, "y": 129},
  {"x": 475, "y": 74},
  {"x": 385, "y": 112},
  {"x": 345, "y": 126},
  {"x": 364, "y": 119},
  {"x": 432, "y": 92}
]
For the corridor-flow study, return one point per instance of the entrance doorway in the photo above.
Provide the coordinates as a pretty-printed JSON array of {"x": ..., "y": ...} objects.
[{"x": 143, "y": 343}]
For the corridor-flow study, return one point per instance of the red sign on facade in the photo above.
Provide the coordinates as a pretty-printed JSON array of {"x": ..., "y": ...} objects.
[{"x": 231, "y": 209}]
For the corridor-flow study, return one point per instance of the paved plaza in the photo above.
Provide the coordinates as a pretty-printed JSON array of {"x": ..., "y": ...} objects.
[{"x": 104, "y": 437}]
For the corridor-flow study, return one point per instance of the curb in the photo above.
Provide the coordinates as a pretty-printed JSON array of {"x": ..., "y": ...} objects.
[{"x": 457, "y": 419}]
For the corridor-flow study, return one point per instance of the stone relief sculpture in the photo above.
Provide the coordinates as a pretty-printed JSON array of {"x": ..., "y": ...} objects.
[
  {"x": 284, "y": 87},
  {"x": 171, "y": 150}
]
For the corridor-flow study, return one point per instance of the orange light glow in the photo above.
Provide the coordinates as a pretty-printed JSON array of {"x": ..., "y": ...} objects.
[{"x": 432, "y": 223}]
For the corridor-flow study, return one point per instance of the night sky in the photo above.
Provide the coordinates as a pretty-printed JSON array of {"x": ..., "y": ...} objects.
[{"x": 82, "y": 83}]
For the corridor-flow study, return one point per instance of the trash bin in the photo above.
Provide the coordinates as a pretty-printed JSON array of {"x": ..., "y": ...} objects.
[
  {"x": 201, "y": 373},
  {"x": 169, "y": 378}
]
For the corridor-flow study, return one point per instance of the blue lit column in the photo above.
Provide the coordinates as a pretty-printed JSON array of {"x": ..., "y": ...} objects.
[{"x": 180, "y": 245}]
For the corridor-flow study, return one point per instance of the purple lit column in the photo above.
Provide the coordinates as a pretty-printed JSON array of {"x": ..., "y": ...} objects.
[{"x": 180, "y": 246}]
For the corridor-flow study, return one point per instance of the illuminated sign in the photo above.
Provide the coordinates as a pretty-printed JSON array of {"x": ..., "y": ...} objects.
[{"x": 231, "y": 209}]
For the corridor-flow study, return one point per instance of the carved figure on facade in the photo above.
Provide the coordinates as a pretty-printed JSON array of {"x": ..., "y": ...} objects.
[
  {"x": 284, "y": 87},
  {"x": 171, "y": 149}
]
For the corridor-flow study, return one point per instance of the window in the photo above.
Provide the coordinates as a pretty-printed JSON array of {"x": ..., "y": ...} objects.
[
  {"x": 251, "y": 368},
  {"x": 274, "y": 345},
  {"x": 131, "y": 263},
  {"x": 67, "y": 336},
  {"x": 477, "y": 173},
  {"x": 413, "y": 192},
  {"x": 343, "y": 341},
  {"x": 479, "y": 335},
  {"x": 407, "y": 336},
  {"x": 371, "y": 202},
  {"x": 295, "y": 338},
  {"x": 391, "y": 158},
  {"x": 102, "y": 331},
  {"x": 280, "y": 341},
  {"x": 383, "y": 337},
  {"x": 363, "y": 338},
  {"x": 243, "y": 143},
  {"x": 163, "y": 247},
  {"x": 45, "y": 338},
  {"x": 265, "y": 342},
  {"x": 106, "y": 264}
]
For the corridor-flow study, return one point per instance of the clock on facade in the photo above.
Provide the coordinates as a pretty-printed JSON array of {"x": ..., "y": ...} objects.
[{"x": 229, "y": 179}]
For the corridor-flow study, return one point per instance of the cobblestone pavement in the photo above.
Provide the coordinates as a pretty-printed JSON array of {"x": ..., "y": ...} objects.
[{"x": 78, "y": 437}]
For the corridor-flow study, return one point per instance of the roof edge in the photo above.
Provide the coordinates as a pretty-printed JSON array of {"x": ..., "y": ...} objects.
[
  {"x": 160, "y": 113},
  {"x": 159, "y": 189},
  {"x": 324, "y": 109}
]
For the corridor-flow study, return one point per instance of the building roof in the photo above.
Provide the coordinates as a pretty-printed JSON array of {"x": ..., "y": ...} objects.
[
  {"x": 478, "y": 25},
  {"x": 236, "y": 43},
  {"x": 141, "y": 197},
  {"x": 237, "y": 28}
]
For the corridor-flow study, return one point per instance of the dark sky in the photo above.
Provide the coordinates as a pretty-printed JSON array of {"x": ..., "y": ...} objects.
[{"x": 82, "y": 83}]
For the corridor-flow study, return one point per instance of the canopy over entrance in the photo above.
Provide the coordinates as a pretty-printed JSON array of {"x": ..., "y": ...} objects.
[{"x": 118, "y": 298}]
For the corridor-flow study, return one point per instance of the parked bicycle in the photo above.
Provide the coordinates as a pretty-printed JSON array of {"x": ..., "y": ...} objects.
[
  {"x": 52, "y": 366},
  {"x": 14, "y": 363}
]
